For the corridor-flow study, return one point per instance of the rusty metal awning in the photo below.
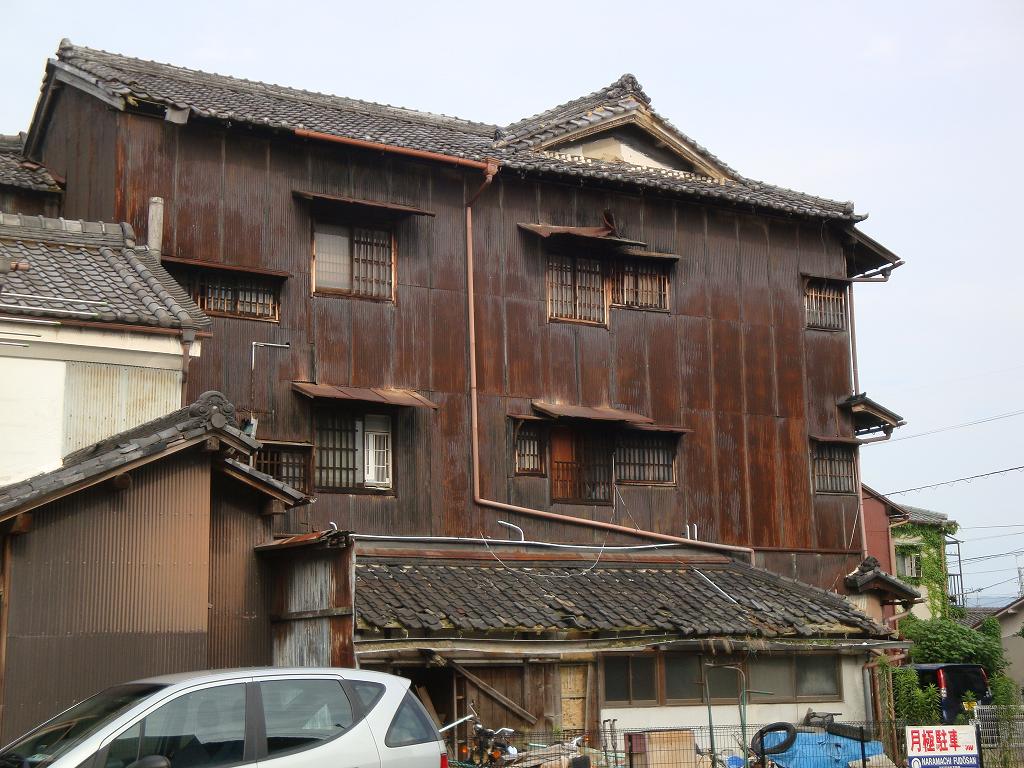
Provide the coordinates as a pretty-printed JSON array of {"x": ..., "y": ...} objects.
[
  {"x": 603, "y": 234},
  {"x": 382, "y": 395},
  {"x": 593, "y": 413},
  {"x": 666, "y": 428},
  {"x": 395, "y": 209}
]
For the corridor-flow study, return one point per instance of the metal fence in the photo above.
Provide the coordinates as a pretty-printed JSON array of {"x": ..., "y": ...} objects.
[
  {"x": 1002, "y": 735},
  {"x": 855, "y": 744}
]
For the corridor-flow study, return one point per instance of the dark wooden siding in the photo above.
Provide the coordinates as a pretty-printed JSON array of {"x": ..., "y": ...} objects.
[
  {"x": 17, "y": 200},
  {"x": 731, "y": 360}
]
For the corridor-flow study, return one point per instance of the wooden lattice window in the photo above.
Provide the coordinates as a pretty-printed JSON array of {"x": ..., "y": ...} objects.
[
  {"x": 230, "y": 293},
  {"x": 529, "y": 448},
  {"x": 357, "y": 261},
  {"x": 581, "y": 466},
  {"x": 834, "y": 467},
  {"x": 575, "y": 289},
  {"x": 825, "y": 304},
  {"x": 352, "y": 450},
  {"x": 287, "y": 463},
  {"x": 645, "y": 459},
  {"x": 640, "y": 284}
]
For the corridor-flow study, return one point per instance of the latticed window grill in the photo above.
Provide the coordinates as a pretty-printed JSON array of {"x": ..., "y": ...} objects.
[
  {"x": 834, "y": 468},
  {"x": 529, "y": 449},
  {"x": 337, "y": 454},
  {"x": 354, "y": 260},
  {"x": 288, "y": 463},
  {"x": 640, "y": 284},
  {"x": 575, "y": 288},
  {"x": 645, "y": 459},
  {"x": 581, "y": 467},
  {"x": 825, "y": 305},
  {"x": 238, "y": 294}
]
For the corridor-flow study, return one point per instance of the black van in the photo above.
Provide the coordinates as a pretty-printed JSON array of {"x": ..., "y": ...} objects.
[{"x": 953, "y": 681}]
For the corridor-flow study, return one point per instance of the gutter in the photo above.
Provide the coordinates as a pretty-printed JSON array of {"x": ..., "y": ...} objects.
[{"x": 422, "y": 154}]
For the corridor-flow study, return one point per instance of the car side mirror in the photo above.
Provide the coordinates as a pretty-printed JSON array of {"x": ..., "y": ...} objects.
[{"x": 151, "y": 761}]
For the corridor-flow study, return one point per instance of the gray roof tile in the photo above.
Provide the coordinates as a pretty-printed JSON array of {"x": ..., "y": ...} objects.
[
  {"x": 515, "y": 146},
  {"x": 73, "y": 265},
  {"x": 418, "y": 596},
  {"x": 17, "y": 171}
]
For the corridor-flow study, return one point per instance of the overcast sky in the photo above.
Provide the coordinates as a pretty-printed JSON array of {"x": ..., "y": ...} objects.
[{"x": 911, "y": 109}]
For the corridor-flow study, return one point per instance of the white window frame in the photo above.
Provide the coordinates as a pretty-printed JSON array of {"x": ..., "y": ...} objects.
[{"x": 377, "y": 444}]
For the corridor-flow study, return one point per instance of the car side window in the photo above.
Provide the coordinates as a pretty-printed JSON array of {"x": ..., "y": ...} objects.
[
  {"x": 304, "y": 713},
  {"x": 202, "y": 729},
  {"x": 366, "y": 693},
  {"x": 411, "y": 725}
]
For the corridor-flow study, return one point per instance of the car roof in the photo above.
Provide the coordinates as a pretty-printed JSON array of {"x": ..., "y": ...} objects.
[
  {"x": 219, "y": 675},
  {"x": 930, "y": 667}
]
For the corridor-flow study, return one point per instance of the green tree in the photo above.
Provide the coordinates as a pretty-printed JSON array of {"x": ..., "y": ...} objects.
[{"x": 939, "y": 641}]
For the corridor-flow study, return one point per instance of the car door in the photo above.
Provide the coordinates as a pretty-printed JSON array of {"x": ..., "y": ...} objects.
[
  {"x": 205, "y": 727},
  {"x": 310, "y": 721},
  {"x": 411, "y": 739}
]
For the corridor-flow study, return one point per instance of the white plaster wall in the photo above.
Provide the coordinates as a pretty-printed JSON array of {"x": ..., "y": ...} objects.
[
  {"x": 31, "y": 417},
  {"x": 853, "y": 707},
  {"x": 1013, "y": 643}
]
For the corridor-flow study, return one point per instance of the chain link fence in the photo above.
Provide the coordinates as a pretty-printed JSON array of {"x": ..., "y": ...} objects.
[{"x": 1002, "y": 735}]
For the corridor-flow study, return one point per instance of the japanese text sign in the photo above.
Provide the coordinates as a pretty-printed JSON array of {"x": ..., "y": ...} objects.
[{"x": 942, "y": 746}]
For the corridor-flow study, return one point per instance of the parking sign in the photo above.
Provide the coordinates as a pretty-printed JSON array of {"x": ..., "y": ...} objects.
[{"x": 942, "y": 746}]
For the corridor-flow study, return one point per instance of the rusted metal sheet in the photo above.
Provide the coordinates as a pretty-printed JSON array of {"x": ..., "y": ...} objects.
[
  {"x": 101, "y": 400},
  {"x": 596, "y": 413},
  {"x": 239, "y": 629},
  {"x": 381, "y": 395},
  {"x": 132, "y": 600}
]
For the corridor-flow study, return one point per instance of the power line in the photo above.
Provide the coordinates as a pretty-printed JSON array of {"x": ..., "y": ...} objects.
[
  {"x": 979, "y": 558},
  {"x": 957, "y": 480},
  {"x": 951, "y": 427},
  {"x": 976, "y": 527},
  {"x": 996, "y": 536},
  {"x": 997, "y": 584}
]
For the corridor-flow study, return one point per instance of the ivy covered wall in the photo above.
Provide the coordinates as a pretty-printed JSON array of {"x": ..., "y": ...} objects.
[{"x": 930, "y": 542}]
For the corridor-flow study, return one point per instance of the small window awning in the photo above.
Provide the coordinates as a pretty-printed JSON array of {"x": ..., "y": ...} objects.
[
  {"x": 836, "y": 439},
  {"x": 381, "y": 395},
  {"x": 593, "y": 413},
  {"x": 865, "y": 254},
  {"x": 870, "y": 417},
  {"x": 378, "y": 206},
  {"x": 604, "y": 235}
]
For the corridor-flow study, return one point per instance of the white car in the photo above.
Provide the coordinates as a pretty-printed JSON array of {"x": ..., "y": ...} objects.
[{"x": 265, "y": 718}]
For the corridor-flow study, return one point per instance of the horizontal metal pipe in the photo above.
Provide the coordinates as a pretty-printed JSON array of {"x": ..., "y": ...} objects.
[
  {"x": 376, "y": 145},
  {"x": 516, "y": 542}
]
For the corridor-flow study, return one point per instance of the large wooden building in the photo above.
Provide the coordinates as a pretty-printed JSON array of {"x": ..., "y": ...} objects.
[{"x": 583, "y": 325}]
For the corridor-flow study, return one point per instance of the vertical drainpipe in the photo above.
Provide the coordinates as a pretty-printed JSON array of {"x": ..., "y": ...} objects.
[{"x": 851, "y": 318}]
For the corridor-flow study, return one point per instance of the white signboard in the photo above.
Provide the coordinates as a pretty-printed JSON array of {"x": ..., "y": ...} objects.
[{"x": 942, "y": 746}]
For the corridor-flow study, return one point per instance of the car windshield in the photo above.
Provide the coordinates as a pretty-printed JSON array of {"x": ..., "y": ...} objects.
[{"x": 41, "y": 746}]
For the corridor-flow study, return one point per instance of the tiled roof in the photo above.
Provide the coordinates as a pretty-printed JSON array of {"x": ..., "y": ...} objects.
[
  {"x": 89, "y": 271},
  {"x": 974, "y": 616},
  {"x": 16, "y": 171},
  {"x": 870, "y": 576},
  {"x": 694, "y": 601},
  {"x": 212, "y": 413},
  {"x": 925, "y": 516},
  {"x": 515, "y": 146}
]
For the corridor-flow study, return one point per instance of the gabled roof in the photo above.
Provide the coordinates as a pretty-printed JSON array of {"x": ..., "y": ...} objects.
[
  {"x": 212, "y": 415},
  {"x": 83, "y": 270},
  {"x": 926, "y": 516},
  {"x": 17, "y": 171},
  {"x": 705, "y": 600},
  {"x": 182, "y": 94},
  {"x": 869, "y": 576}
]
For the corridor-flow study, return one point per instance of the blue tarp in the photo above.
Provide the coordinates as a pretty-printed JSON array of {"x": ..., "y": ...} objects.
[{"x": 818, "y": 750}]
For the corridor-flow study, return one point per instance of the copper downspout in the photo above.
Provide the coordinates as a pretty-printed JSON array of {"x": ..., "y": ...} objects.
[{"x": 491, "y": 170}]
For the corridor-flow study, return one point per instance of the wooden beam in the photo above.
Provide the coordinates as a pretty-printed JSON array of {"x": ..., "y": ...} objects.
[
  {"x": 22, "y": 524},
  {"x": 323, "y": 613},
  {"x": 492, "y": 692}
]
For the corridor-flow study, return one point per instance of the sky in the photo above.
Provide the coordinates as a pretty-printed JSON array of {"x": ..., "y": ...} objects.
[{"x": 911, "y": 109}]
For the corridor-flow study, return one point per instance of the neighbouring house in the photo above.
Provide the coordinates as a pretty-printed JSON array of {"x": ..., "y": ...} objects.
[
  {"x": 1011, "y": 624},
  {"x": 583, "y": 328},
  {"x": 25, "y": 186},
  {"x": 874, "y": 580},
  {"x": 95, "y": 337},
  {"x": 920, "y": 541},
  {"x": 134, "y": 558}
]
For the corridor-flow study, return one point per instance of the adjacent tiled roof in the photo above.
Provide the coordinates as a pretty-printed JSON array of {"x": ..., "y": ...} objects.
[
  {"x": 212, "y": 413},
  {"x": 925, "y": 516},
  {"x": 869, "y": 575},
  {"x": 71, "y": 261},
  {"x": 16, "y": 171},
  {"x": 515, "y": 146},
  {"x": 974, "y": 616},
  {"x": 709, "y": 600}
]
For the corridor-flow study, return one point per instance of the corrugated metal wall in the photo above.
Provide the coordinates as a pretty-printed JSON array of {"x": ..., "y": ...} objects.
[
  {"x": 109, "y": 586},
  {"x": 239, "y": 624},
  {"x": 307, "y": 584},
  {"x": 101, "y": 400}
]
